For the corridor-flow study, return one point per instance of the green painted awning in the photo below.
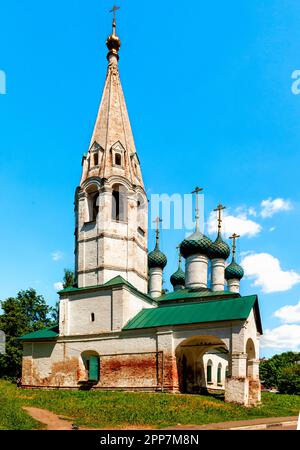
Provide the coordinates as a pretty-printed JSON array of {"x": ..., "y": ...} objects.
[
  {"x": 45, "y": 334},
  {"x": 192, "y": 313}
]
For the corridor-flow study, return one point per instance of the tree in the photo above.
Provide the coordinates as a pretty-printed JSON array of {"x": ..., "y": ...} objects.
[
  {"x": 271, "y": 370},
  {"x": 21, "y": 315},
  {"x": 69, "y": 278},
  {"x": 289, "y": 380}
]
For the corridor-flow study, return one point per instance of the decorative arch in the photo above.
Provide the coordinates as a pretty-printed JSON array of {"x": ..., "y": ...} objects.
[
  {"x": 92, "y": 196},
  {"x": 194, "y": 375},
  {"x": 251, "y": 357}
]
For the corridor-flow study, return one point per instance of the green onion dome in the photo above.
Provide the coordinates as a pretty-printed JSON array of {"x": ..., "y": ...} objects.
[
  {"x": 195, "y": 244},
  {"x": 178, "y": 278},
  {"x": 219, "y": 249},
  {"x": 234, "y": 271},
  {"x": 156, "y": 258}
]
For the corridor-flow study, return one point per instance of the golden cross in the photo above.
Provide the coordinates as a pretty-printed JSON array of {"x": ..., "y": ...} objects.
[
  {"x": 234, "y": 237},
  {"x": 179, "y": 254},
  {"x": 220, "y": 208},
  {"x": 158, "y": 220},
  {"x": 114, "y": 10},
  {"x": 196, "y": 191}
]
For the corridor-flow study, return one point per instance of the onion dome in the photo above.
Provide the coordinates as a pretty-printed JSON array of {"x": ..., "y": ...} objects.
[
  {"x": 156, "y": 258},
  {"x": 178, "y": 278},
  {"x": 234, "y": 271},
  {"x": 113, "y": 44},
  {"x": 219, "y": 249},
  {"x": 195, "y": 244}
]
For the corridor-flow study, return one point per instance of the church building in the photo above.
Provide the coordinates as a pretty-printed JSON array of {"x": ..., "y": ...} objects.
[{"x": 117, "y": 328}]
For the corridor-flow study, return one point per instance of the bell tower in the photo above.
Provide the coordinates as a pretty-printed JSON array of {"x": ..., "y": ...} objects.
[{"x": 111, "y": 206}]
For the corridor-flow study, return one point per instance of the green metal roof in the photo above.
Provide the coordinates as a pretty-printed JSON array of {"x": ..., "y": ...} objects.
[
  {"x": 186, "y": 294},
  {"x": 45, "y": 334},
  {"x": 192, "y": 313},
  {"x": 117, "y": 281}
]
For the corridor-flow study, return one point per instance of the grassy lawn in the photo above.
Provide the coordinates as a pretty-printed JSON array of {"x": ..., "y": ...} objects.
[{"x": 120, "y": 409}]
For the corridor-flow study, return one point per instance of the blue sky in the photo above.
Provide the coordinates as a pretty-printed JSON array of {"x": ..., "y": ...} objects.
[{"x": 208, "y": 88}]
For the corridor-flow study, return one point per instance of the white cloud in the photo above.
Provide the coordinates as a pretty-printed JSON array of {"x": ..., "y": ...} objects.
[
  {"x": 239, "y": 224},
  {"x": 270, "y": 207},
  {"x": 283, "y": 337},
  {"x": 272, "y": 229},
  {"x": 58, "y": 286},
  {"x": 57, "y": 255},
  {"x": 289, "y": 313},
  {"x": 267, "y": 273},
  {"x": 252, "y": 212}
]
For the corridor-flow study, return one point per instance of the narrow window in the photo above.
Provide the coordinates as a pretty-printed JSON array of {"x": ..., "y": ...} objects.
[
  {"x": 119, "y": 204},
  {"x": 219, "y": 375},
  {"x": 118, "y": 159},
  {"x": 93, "y": 317},
  {"x": 116, "y": 205},
  {"x": 209, "y": 373},
  {"x": 95, "y": 208},
  {"x": 96, "y": 159}
]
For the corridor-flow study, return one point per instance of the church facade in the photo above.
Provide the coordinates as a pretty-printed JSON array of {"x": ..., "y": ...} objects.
[{"x": 117, "y": 329}]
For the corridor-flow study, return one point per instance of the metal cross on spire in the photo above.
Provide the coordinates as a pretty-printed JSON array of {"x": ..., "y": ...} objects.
[
  {"x": 179, "y": 255},
  {"x": 219, "y": 209},
  {"x": 114, "y": 11},
  {"x": 158, "y": 221},
  {"x": 234, "y": 237},
  {"x": 196, "y": 191}
]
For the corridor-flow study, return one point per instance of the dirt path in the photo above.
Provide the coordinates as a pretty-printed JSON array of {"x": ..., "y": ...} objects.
[
  {"x": 55, "y": 422},
  {"x": 48, "y": 418}
]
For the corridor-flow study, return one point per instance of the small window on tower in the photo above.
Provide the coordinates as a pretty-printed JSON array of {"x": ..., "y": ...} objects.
[
  {"x": 93, "y": 317},
  {"x": 96, "y": 159},
  {"x": 95, "y": 207},
  {"x": 118, "y": 159}
]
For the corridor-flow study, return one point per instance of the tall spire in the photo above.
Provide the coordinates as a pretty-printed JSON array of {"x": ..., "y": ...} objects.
[{"x": 112, "y": 149}]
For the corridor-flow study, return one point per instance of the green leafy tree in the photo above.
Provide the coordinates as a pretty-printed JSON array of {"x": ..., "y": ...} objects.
[
  {"x": 69, "y": 278},
  {"x": 271, "y": 370},
  {"x": 21, "y": 315},
  {"x": 289, "y": 380}
]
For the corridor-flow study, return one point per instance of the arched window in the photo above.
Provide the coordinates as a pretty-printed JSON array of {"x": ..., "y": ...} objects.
[
  {"x": 141, "y": 216},
  {"x": 209, "y": 372},
  {"x": 219, "y": 374},
  {"x": 95, "y": 208},
  {"x": 119, "y": 203},
  {"x": 118, "y": 159}
]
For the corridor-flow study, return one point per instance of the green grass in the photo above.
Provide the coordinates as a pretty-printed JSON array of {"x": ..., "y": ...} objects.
[{"x": 120, "y": 409}]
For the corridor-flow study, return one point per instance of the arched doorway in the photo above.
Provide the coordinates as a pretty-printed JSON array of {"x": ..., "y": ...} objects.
[
  {"x": 91, "y": 362},
  {"x": 198, "y": 359}
]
